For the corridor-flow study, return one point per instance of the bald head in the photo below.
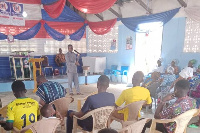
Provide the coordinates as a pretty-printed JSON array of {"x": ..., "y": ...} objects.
[{"x": 137, "y": 78}]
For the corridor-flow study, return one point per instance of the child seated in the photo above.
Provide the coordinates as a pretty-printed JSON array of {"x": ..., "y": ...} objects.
[{"x": 48, "y": 111}]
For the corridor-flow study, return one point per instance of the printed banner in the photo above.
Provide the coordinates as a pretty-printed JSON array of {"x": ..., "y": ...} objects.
[{"x": 11, "y": 14}]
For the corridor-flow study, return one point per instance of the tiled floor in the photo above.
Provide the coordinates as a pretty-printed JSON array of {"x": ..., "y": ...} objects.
[{"x": 116, "y": 89}]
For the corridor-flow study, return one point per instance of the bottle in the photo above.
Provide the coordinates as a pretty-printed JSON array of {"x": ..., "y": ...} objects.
[{"x": 0, "y": 103}]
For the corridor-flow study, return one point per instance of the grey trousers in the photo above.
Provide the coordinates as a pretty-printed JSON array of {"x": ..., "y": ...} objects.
[{"x": 73, "y": 77}]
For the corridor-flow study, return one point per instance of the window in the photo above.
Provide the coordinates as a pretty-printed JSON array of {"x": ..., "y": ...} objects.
[
  {"x": 41, "y": 46},
  {"x": 192, "y": 36},
  {"x": 107, "y": 43}
]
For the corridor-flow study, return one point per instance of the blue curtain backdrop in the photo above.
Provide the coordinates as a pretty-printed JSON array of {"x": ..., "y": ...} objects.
[
  {"x": 132, "y": 23},
  {"x": 30, "y": 33},
  {"x": 53, "y": 33},
  {"x": 48, "y": 2},
  {"x": 78, "y": 34},
  {"x": 2, "y": 36},
  {"x": 67, "y": 15}
]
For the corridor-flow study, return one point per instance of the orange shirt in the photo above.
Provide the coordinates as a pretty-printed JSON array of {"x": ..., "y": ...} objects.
[{"x": 60, "y": 58}]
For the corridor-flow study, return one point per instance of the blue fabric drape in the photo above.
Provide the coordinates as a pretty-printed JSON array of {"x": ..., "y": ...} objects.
[
  {"x": 133, "y": 22},
  {"x": 53, "y": 33},
  {"x": 67, "y": 15},
  {"x": 48, "y": 2},
  {"x": 78, "y": 34},
  {"x": 30, "y": 33},
  {"x": 3, "y": 36}
]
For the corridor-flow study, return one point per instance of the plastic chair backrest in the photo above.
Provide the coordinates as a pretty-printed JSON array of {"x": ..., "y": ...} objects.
[
  {"x": 48, "y": 125},
  {"x": 3, "y": 111},
  {"x": 134, "y": 109},
  {"x": 124, "y": 68},
  {"x": 62, "y": 105},
  {"x": 136, "y": 127},
  {"x": 183, "y": 119}
]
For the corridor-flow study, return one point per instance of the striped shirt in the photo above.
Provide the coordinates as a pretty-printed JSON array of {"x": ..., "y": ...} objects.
[{"x": 50, "y": 91}]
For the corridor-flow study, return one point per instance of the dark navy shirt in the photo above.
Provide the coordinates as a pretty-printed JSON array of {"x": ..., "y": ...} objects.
[{"x": 98, "y": 100}]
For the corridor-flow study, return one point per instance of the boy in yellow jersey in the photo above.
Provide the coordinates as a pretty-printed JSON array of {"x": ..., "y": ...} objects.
[
  {"x": 23, "y": 110},
  {"x": 136, "y": 93}
]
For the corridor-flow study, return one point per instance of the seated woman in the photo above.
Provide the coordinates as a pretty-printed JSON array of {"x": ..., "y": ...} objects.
[
  {"x": 186, "y": 73},
  {"x": 154, "y": 78},
  {"x": 170, "y": 74},
  {"x": 159, "y": 68}
]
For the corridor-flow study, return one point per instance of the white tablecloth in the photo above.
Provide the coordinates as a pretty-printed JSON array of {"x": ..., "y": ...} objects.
[{"x": 97, "y": 64}]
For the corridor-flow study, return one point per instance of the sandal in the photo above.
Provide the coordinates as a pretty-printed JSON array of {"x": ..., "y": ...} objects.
[{"x": 79, "y": 93}]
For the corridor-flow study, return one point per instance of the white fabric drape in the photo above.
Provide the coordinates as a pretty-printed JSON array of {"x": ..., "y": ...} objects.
[{"x": 193, "y": 13}]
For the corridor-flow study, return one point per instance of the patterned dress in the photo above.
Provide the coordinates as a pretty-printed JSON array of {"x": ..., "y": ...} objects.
[{"x": 180, "y": 106}]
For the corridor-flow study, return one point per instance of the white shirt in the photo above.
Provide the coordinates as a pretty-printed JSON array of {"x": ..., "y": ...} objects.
[
  {"x": 186, "y": 72},
  {"x": 159, "y": 69}
]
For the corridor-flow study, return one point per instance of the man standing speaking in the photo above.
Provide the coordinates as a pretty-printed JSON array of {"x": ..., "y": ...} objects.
[{"x": 72, "y": 74}]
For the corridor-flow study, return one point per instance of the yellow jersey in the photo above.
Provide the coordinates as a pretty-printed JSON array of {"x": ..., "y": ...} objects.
[
  {"x": 22, "y": 112},
  {"x": 134, "y": 94}
]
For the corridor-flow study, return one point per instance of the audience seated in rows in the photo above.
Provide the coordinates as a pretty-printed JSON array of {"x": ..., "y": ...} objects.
[
  {"x": 181, "y": 105},
  {"x": 101, "y": 99},
  {"x": 186, "y": 73},
  {"x": 170, "y": 74}
]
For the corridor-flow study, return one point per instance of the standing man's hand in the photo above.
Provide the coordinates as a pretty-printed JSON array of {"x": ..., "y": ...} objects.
[
  {"x": 77, "y": 63},
  {"x": 71, "y": 114}
]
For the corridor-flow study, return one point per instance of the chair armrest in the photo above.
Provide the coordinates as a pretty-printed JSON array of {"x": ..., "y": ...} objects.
[
  {"x": 120, "y": 108},
  {"x": 23, "y": 130},
  {"x": 163, "y": 120},
  {"x": 83, "y": 117},
  {"x": 154, "y": 121}
]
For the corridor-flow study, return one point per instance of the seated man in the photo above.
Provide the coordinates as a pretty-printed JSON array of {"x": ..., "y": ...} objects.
[
  {"x": 136, "y": 93},
  {"x": 22, "y": 111},
  {"x": 101, "y": 99},
  {"x": 181, "y": 105},
  {"x": 60, "y": 60},
  {"x": 49, "y": 91}
]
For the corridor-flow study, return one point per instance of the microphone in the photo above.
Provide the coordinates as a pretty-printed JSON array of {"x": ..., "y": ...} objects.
[{"x": 77, "y": 52}]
